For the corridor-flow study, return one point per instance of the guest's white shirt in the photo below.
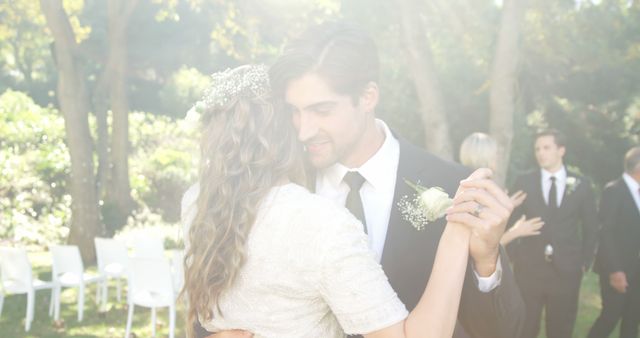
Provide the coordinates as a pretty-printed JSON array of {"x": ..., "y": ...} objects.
[
  {"x": 634, "y": 188},
  {"x": 377, "y": 193},
  {"x": 561, "y": 181}
]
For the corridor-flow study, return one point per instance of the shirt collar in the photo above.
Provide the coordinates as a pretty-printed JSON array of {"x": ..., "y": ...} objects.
[
  {"x": 631, "y": 182},
  {"x": 377, "y": 168},
  {"x": 560, "y": 175}
]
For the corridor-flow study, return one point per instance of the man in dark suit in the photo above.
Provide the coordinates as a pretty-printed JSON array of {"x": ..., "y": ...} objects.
[
  {"x": 328, "y": 79},
  {"x": 617, "y": 261},
  {"x": 549, "y": 267}
]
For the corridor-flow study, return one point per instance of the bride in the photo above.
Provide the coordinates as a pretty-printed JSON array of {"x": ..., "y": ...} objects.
[{"x": 267, "y": 256}]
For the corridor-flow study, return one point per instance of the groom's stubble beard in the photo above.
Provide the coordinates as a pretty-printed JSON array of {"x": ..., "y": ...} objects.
[
  {"x": 320, "y": 158},
  {"x": 333, "y": 152}
]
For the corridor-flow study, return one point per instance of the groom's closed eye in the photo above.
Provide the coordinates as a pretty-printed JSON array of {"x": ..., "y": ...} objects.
[{"x": 322, "y": 108}]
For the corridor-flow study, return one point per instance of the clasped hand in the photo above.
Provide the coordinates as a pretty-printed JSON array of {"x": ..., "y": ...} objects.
[{"x": 484, "y": 208}]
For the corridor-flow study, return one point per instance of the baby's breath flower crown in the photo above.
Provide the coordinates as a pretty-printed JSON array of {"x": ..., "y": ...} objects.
[{"x": 250, "y": 81}]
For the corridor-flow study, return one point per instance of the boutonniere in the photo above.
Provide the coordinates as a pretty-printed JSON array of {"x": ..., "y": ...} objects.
[
  {"x": 572, "y": 184},
  {"x": 425, "y": 206}
]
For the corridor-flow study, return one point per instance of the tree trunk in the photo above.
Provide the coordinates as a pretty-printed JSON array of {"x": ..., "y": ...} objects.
[
  {"x": 118, "y": 195},
  {"x": 74, "y": 103},
  {"x": 420, "y": 61},
  {"x": 100, "y": 110},
  {"x": 504, "y": 77}
]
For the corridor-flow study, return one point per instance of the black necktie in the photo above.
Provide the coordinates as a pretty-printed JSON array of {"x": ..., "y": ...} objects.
[
  {"x": 354, "y": 203},
  {"x": 553, "y": 195}
]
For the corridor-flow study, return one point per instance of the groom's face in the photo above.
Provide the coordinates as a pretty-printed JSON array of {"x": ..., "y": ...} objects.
[{"x": 329, "y": 124}]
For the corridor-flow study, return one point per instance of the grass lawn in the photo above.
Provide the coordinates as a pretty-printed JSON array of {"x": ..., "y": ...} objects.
[{"x": 112, "y": 323}]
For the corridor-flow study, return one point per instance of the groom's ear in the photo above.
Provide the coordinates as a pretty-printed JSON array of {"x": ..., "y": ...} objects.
[{"x": 368, "y": 100}]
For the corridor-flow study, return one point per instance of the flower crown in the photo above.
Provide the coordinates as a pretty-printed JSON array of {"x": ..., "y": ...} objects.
[{"x": 249, "y": 81}]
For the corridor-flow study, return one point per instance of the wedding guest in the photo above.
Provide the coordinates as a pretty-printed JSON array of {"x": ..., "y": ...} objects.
[
  {"x": 617, "y": 261},
  {"x": 328, "y": 79},
  {"x": 267, "y": 256},
  {"x": 549, "y": 267},
  {"x": 480, "y": 150}
]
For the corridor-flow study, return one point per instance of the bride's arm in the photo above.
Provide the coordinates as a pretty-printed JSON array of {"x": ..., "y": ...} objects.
[{"x": 436, "y": 312}]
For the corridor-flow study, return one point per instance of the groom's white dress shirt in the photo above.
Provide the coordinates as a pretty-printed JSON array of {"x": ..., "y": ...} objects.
[{"x": 377, "y": 193}]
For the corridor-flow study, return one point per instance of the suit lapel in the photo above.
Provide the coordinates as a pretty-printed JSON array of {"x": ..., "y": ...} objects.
[
  {"x": 566, "y": 195},
  {"x": 537, "y": 193},
  {"x": 407, "y": 169}
]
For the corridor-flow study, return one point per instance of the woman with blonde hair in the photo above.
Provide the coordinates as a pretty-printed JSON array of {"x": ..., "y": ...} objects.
[
  {"x": 480, "y": 150},
  {"x": 267, "y": 256}
]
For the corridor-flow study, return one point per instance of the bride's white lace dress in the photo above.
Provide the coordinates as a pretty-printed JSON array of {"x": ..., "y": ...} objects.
[{"x": 309, "y": 272}]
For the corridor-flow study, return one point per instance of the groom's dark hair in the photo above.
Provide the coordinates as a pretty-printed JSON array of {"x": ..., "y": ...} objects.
[{"x": 340, "y": 52}]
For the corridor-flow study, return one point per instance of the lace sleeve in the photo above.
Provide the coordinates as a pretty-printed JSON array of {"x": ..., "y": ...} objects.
[{"x": 353, "y": 283}]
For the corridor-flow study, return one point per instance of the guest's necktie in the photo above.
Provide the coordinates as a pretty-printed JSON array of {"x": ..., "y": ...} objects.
[
  {"x": 553, "y": 195},
  {"x": 354, "y": 203}
]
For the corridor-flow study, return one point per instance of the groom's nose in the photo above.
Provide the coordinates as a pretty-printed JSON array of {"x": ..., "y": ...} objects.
[{"x": 306, "y": 126}]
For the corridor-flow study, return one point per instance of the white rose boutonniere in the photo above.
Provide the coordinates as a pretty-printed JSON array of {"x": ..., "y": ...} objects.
[
  {"x": 426, "y": 206},
  {"x": 572, "y": 184}
]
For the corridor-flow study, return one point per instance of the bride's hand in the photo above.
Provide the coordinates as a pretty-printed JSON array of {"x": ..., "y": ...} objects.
[{"x": 484, "y": 208}]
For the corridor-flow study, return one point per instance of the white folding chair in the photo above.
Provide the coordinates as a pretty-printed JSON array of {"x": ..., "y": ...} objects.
[
  {"x": 17, "y": 278},
  {"x": 68, "y": 271},
  {"x": 148, "y": 247},
  {"x": 113, "y": 260},
  {"x": 177, "y": 269},
  {"x": 151, "y": 285}
]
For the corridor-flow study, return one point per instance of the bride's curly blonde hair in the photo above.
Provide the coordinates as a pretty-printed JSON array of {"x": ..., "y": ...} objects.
[{"x": 247, "y": 148}]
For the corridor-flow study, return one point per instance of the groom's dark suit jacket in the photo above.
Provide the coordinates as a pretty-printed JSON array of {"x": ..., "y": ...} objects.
[
  {"x": 619, "y": 247},
  {"x": 571, "y": 229},
  {"x": 408, "y": 255}
]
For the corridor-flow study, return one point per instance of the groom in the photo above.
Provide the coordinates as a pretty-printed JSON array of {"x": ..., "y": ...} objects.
[{"x": 328, "y": 80}]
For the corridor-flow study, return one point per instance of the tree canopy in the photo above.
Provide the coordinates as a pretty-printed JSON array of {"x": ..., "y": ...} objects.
[{"x": 449, "y": 68}]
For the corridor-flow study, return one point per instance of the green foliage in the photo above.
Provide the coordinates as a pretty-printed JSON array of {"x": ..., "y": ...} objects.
[
  {"x": 185, "y": 87},
  {"x": 34, "y": 160},
  {"x": 35, "y": 166},
  {"x": 24, "y": 50},
  {"x": 581, "y": 75},
  {"x": 164, "y": 162}
]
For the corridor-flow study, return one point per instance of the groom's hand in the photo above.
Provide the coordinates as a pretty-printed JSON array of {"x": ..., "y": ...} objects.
[{"x": 492, "y": 208}]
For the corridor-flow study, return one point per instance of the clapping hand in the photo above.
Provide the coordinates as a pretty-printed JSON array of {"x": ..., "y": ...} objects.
[
  {"x": 523, "y": 228},
  {"x": 517, "y": 198}
]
